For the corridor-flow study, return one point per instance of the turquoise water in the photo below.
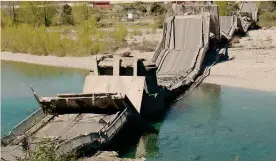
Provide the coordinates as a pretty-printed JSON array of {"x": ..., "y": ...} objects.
[
  {"x": 17, "y": 101},
  {"x": 213, "y": 123}
]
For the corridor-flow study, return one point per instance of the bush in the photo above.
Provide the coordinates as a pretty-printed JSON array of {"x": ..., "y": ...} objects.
[
  {"x": 87, "y": 40},
  {"x": 37, "y": 40},
  {"x": 225, "y": 8},
  {"x": 267, "y": 6},
  {"x": 267, "y": 19},
  {"x": 157, "y": 9},
  {"x": 66, "y": 15},
  {"x": 47, "y": 153},
  {"x": 5, "y": 19},
  {"x": 120, "y": 33},
  {"x": 268, "y": 16}
]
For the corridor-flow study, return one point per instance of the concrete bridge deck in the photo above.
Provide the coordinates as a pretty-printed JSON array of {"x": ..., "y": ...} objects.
[
  {"x": 228, "y": 25},
  {"x": 184, "y": 44}
]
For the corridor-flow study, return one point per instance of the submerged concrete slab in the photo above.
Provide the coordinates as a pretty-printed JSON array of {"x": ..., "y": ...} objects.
[
  {"x": 68, "y": 126},
  {"x": 132, "y": 86}
]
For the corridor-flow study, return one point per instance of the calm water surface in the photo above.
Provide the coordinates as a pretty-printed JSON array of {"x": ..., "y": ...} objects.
[
  {"x": 17, "y": 101},
  {"x": 213, "y": 123}
]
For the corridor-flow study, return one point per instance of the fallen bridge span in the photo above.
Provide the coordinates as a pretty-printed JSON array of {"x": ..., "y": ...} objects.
[{"x": 182, "y": 50}]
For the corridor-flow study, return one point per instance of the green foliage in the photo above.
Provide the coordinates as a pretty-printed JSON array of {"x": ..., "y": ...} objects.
[
  {"x": 120, "y": 33},
  {"x": 140, "y": 6},
  {"x": 225, "y": 7},
  {"x": 48, "y": 153},
  {"x": 267, "y": 6},
  {"x": 82, "y": 12},
  {"x": 11, "y": 11},
  {"x": 36, "y": 13},
  {"x": 157, "y": 9},
  {"x": 5, "y": 19},
  {"x": 67, "y": 17},
  {"x": 87, "y": 40},
  {"x": 267, "y": 19},
  {"x": 39, "y": 28},
  {"x": 222, "y": 8},
  {"x": 267, "y": 15}
]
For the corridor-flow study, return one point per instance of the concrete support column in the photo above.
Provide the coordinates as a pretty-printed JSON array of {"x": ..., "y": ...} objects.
[
  {"x": 95, "y": 66},
  {"x": 116, "y": 66}
]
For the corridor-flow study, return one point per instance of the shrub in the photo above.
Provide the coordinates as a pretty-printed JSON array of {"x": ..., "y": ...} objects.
[
  {"x": 267, "y": 6},
  {"x": 5, "y": 19},
  {"x": 225, "y": 7},
  {"x": 157, "y": 9},
  {"x": 66, "y": 15},
  {"x": 120, "y": 33},
  {"x": 47, "y": 153},
  {"x": 267, "y": 19}
]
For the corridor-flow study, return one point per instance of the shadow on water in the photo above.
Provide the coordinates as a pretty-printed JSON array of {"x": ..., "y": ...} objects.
[{"x": 148, "y": 144}]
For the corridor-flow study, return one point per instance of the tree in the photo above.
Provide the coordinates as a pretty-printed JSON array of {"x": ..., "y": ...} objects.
[
  {"x": 225, "y": 8},
  {"x": 267, "y": 6},
  {"x": 156, "y": 9},
  {"x": 5, "y": 19},
  {"x": 12, "y": 11},
  {"x": 140, "y": 7},
  {"x": 67, "y": 17},
  {"x": 37, "y": 13}
]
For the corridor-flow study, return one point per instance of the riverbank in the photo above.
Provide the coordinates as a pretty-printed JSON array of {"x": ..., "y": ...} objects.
[
  {"x": 67, "y": 62},
  {"x": 253, "y": 65}
]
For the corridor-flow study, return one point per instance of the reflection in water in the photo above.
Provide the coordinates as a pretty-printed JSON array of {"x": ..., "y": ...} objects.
[
  {"x": 148, "y": 145},
  {"x": 33, "y": 70},
  {"x": 208, "y": 94},
  {"x": 214, "y": 123}
]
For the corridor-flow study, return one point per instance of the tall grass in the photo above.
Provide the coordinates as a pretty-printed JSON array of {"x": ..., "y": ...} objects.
[{"x": 40, "y": 41}]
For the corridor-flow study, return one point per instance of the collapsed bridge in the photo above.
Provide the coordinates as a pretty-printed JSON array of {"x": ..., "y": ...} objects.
[
  {"x": 187, "y": 36},
  {"x": 120, "y": 89},
  {"x": 182, "y": 49}
]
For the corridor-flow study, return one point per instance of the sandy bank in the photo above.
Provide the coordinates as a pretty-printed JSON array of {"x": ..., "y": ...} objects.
[
  {"x": 68, "y": 62},
  {"x": 254, "y": 63},
  {"x": 71, "y": 62}
]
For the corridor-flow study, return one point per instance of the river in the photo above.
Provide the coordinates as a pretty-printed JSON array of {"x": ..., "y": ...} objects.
[{"x": 213, "y": 123}]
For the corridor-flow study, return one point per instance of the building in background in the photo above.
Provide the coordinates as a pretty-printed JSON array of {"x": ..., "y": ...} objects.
[{"x": 101, "y": 4}]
